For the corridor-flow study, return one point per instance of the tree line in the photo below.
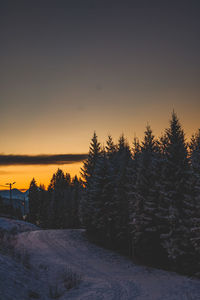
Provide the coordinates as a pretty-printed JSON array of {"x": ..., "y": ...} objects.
[
  {"x": 142, "y": 200},
  {"x": 58, "y": 206}
]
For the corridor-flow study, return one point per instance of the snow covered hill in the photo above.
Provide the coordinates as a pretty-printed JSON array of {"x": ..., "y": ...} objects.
[
  {"x": 16, "y": 194},
  {"x": 18, "y": 198},
  {"x": 105, "y": 274},
  {"x": 10, "y": 225},
  {"x": 102, "y": 273}
]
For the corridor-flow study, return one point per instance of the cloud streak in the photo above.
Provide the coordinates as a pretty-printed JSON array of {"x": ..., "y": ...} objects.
[{"x": 59, "y": 159}]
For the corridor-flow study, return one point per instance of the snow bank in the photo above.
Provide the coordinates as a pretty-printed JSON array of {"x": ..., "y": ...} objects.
[
  {"x": 17, "y": 282},
  {"x": 16, "y": 226}
]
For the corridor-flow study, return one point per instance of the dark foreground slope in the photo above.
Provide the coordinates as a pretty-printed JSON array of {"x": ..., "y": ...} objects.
[
  {"x": 105, "y": 275},
  {"x": 63, "y": 264}
]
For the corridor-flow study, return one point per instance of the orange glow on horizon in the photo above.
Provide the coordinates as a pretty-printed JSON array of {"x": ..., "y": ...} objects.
[{"x": 42, "y": 174}]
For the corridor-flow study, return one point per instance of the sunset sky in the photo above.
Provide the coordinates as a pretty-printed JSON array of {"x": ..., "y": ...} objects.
[{"x": 71, "y": 67}]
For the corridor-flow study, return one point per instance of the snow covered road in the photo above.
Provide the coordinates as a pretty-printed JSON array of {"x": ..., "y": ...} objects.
[{"x": 105, "y": 275}]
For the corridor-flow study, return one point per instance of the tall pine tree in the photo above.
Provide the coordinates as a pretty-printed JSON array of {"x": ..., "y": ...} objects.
[
  {"x": 145, "y": 233},
  {"x": 195, "y": 218},
  {"x": 87, "y": 173},
  {"x": 175, "y": 207},
  {"x": 120, "y": 195}
]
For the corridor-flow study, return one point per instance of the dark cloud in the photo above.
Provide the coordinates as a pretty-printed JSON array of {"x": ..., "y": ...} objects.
[{"x": 6, "y": 160}]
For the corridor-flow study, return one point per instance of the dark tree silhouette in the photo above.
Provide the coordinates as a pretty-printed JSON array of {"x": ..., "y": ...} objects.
[{"x": 33, "y": 202}]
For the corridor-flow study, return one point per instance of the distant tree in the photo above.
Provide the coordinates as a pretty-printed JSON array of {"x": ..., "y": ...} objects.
[
  {"x": 43, "y": 207},
  {"x": 33, "y": 202},
  {"x": 60, "y": 200},
  {"x": 1, "y": 205},
  {"x": 76, "y": 196},
  {"x": 59, "y": 181}
]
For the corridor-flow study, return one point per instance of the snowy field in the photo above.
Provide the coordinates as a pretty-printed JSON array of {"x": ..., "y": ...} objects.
[{"x": 54, "y": 256}]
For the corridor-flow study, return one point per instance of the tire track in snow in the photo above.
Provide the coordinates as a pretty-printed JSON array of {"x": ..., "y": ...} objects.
[{"x": 107, "y": 288}]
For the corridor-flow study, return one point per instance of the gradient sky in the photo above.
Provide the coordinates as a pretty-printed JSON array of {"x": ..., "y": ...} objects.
[{"x": 71, "y": 67}]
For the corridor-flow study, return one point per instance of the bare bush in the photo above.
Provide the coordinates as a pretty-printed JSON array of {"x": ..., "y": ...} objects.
[
  {"x": 8, "y": 247},
  {"x": 8, "y": 242},
  {"x": 43, "y": 267},
  {"x": 33, "y": 295},
  {"x": 71, "y": 279},
  {"x": 54, "y": 291},
  {"x": 25, "y": 259}
]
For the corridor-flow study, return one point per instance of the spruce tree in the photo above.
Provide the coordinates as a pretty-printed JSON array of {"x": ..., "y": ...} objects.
[
  {"x": 131, "y": 189},
  {"x": 60, "y": 195},
  {"x": 175, "y": 205},
  {"x": 103, "y": 222},
  {"x": 120, "y": 200},
  {"x": 98, "y": 181},
  {"x": 59, "y": 181},
  {"x": 89, "y": 164},
  {"x": 195, "y": 153},
  {"x": 87, "y": 175},
  {"x": 75, "y": 207},
  {"x": 33, "y": 202},
  {"x": 43, "y": 208},
  {"x": 144, "y": 222},
  {"x": 110, "y": 147},
  {"x": 195, "y": 217}
]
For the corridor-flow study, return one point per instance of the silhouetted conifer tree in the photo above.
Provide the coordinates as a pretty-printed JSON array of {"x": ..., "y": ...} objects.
[
  {"x": 89, "y": 163},
  {"x": 87, "y": 174},
  {"x": 75, "y": 207},
  {"x": 144, "y": 204},
  {"x": 60, "y": 193},
  {"x": 120, "y": 197},
  {"x": 175, "y": 207},
  {"x": 195, "y": 217},
  {"x": 33, "y": 202},
  {"x": 101, "y": 194},
  {"x": 111, "y": 148},
  {"x": 132, "y": 171},
  {"x": 44, "y": 206},
  {"x": 195, "y": 153}
]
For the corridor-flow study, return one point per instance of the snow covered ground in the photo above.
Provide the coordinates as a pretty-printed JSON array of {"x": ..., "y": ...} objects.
[
  {"x": 53, "y": 254},
  {"x": 11, "y": 225}
]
